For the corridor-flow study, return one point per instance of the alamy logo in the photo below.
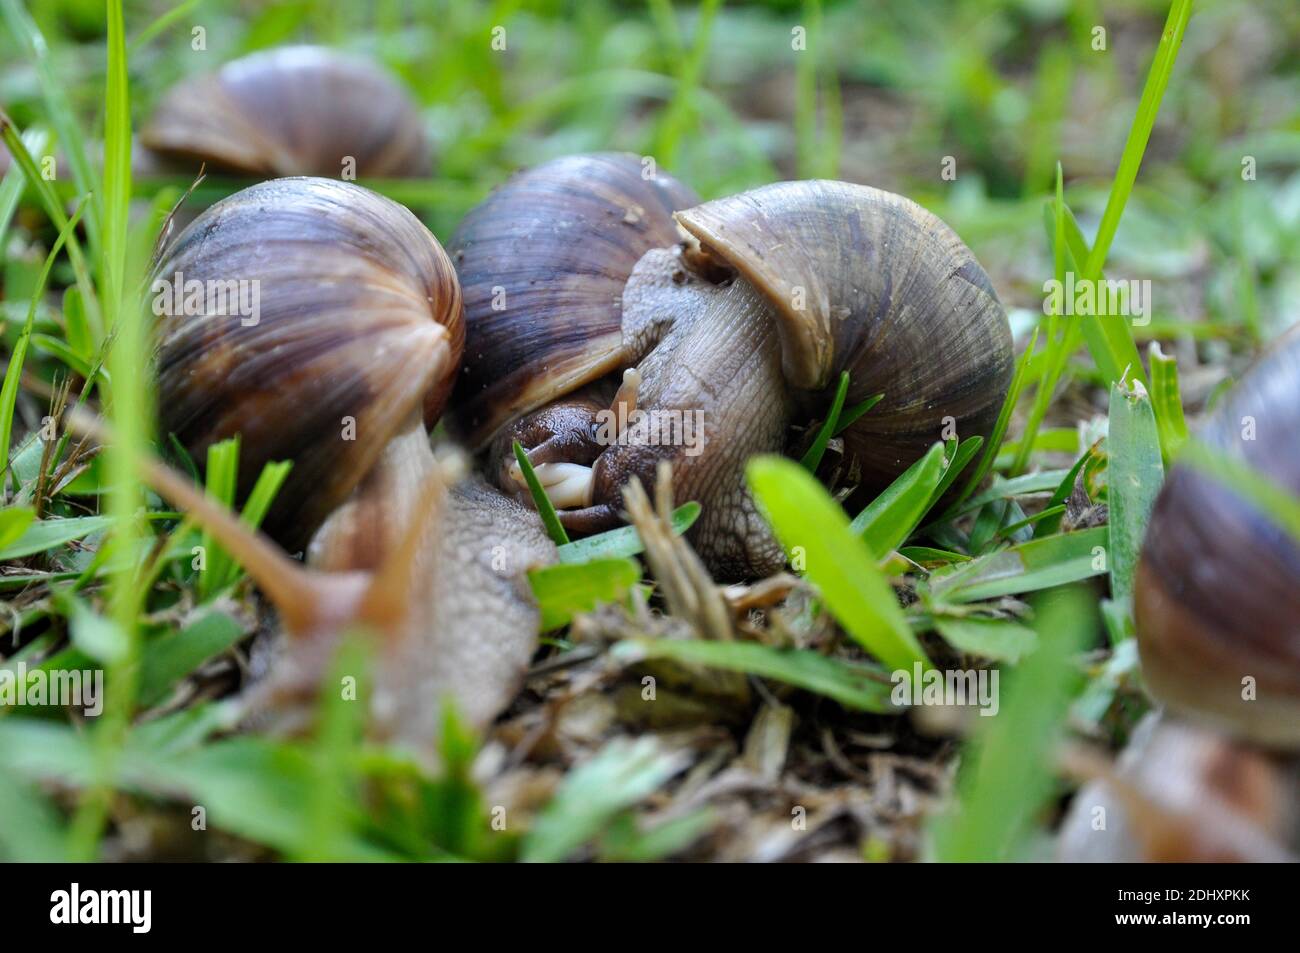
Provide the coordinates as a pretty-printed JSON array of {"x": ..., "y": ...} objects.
[
  {"x": 134, "y": 907},
  {"x": 74, "y": 688},
  {"x": 946, "y": 688},
  {"x": 178, "y": 297},
  {"x": 1106, "y": 296}
]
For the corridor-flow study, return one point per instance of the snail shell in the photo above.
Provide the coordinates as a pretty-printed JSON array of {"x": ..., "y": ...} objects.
[
  {"x": 296, "y": 110},
  {"x": 746, "y": 313},
  {"x": 542, "y": 264},
  {"x": 1217, "y": 597},
  {"x": 869, "y": 282},
  {"x": 358, "y": 330}
]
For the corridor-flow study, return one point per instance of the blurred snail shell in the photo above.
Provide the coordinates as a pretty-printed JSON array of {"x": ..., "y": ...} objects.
[
  {"x": 742, "y": 311},
  {"x": 1181, "y": 794},
  {"x": 1217, "y": 597},
  {"x": 357, "y": 334},
  {"x": 296, "y": 110}
]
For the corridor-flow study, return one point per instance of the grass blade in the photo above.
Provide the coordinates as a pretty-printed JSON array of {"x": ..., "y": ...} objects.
[
  {"x": 545, "y": 508},
  {"x": 1171, "y": 38},
  {"x": 131, "y": 411},
  {"x": 52, "y": 205},
  {"x": 1000, "y": 428},
  {"x": 1135, "y": 474},
  {"x": 624, "y": 541},
  {"x": 14, "y": 373},
  {"x": 1274, "y": 501},
  {"x": 1006, "y": 773},
  {"x": 567, "y": 589},
  {"x": 1038, "y": 564},
  {"x": 1166, "y": 402},
  {"x": 806, "y": 519},
  {"x": 60, "y": 111},
  {"x": 813, "y": 458},
  {"x": 853, "y": 685},
  {"x": 893, "y": 516}
]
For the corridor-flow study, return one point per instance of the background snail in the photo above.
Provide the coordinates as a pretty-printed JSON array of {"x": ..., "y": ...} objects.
[
  {"x": 1217, "y": 599},
  {"x": 744, "y": 310},
  {"x": 360, "y": 320},
  {"x": 1218, "y": 627},
  {"x": 1180, "y": 794},
  {"x": 295, "y": 110},
  {"x": 343, "y": 327}
]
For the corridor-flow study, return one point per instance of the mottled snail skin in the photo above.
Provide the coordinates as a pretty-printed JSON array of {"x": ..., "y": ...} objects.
[
  {"x": 749, "y": 321},
  {"x": 297, "y": 110},
  {"x": 360, "y": 326},
  {"x": 472, "y": 623},
  {"x": 1181, "y": 794},
  {"x": 1217, "y": 596},
  {"x": 434, "y": 575}
]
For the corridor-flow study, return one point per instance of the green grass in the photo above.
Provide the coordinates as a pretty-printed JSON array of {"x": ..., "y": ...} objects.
[{"x": 131, "y": 413}]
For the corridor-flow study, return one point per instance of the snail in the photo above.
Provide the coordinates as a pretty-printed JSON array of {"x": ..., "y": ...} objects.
[
  {"x": 317, "y": 319},
  {"x": 350, "y": 350},
  {"x": 728, "y": 321},
  {"x": 1215, "y": 775},
  {"x": 432, "y": 570},
  {"x": 1217, "y": 594},
  {"x": 295, "y": 110}
]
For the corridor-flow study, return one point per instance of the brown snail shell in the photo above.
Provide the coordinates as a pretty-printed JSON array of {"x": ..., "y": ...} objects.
[
  {"x": 1217, "y": 596},
  {"x": 360, "y": 328},
  {"x": 543, "y": 262},
  {"x": 295, "y": 110},
  {"x": 869, "y": 282},
  {"x": 749, "y": 321}
]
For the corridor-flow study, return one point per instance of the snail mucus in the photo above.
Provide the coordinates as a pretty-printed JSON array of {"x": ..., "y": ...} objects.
[
  {"x": 595, "y": 288},
  {"x": 361, "y": 321}
]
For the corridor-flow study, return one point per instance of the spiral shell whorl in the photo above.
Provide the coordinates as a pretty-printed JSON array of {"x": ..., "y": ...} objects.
[
  {"x": 360, "y": 318},
  {"x": 868, "y": 281}
]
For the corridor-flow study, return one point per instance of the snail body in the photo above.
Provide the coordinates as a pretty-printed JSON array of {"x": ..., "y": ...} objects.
[
  {"x": 1181, "y": 794},
  {"x": 1217, "y": 595},
  {"x": 350, "y": 357},
  {"x": 738, "y": 314},
  {"x": 295, "y": 110}
]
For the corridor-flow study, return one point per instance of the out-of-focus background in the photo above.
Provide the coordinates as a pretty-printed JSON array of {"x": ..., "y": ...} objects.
[{"x": 887, "y": 93}]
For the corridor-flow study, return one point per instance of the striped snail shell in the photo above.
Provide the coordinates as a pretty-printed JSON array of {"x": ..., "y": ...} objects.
[
  {"x": 295, "y": 110},
  {"x": 316, "y": 319},
  {"x": 1217, "y": 596}
]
